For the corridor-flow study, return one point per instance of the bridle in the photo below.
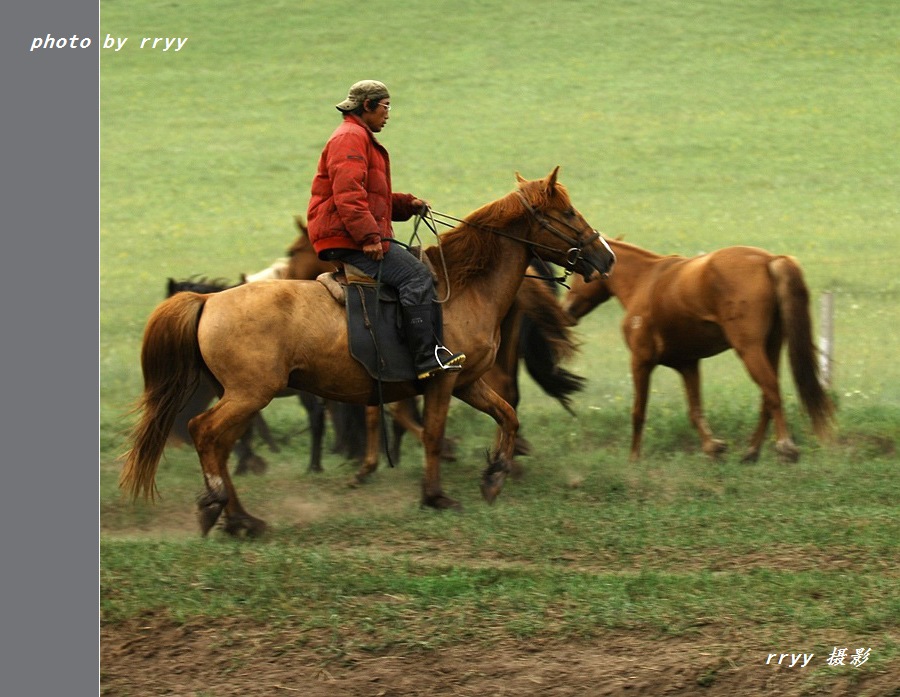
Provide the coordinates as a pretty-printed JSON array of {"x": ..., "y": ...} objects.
[{"x": 571, "y": 257}]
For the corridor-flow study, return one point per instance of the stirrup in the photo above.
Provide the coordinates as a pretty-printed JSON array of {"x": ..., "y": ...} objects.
[{"x": 454, "y": 362}]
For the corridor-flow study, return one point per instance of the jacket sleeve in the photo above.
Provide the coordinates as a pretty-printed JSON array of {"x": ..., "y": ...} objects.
[
  {"x": 347, "y": 169},
  {"x": 401, "y": 207}
]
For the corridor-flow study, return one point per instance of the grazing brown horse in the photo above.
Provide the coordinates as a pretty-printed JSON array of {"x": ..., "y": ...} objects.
[
  {"x": 679, "y": 310},
  {"x": 259, "y": 338}
]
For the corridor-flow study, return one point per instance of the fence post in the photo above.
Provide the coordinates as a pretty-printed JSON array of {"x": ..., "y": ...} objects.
[{"x": 826, "y": 338}]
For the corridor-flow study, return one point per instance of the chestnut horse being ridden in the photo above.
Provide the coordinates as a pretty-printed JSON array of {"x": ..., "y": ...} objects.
[
  {"x": 679, "y": 310},
  {"x": 535, "y": 329},
  {"x": 259, "y": 338}
]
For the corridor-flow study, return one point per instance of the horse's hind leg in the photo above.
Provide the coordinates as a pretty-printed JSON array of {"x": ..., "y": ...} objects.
[
  {"x": 248, "y": 460},
  {"x": 405, "y": 417},
  {"x": 260, "y": 425},
  {"x": 214, "y": 433},
  {"x": 763, "y": 368},
  {"x": 373, "y": 446},
  {"x": 315, "y": 412},
  {"x": 483, "y": 398},
  {"x": 690, "y": 374}
]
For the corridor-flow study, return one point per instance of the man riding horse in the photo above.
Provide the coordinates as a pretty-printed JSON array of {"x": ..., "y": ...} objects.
[{"x": 350, "y": 214}]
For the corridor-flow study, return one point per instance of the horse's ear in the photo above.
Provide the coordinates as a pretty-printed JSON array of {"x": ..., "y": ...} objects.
[
  {"x": 520, "y": 178},
  {"x": 551, "y": 178},
  {"x": 301, "y": 223},
  {"x": 170, "y": 287}
]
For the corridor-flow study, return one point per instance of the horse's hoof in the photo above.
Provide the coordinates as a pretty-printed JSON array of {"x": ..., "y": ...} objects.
[
  {"x": 360, "y": 478},
  {"x": 492, "y": 485},
  {"x": 715, "y": 448},
  {"x": 787, "y": 451},
  {"x": 441, "y": 502},
  {"x": 209, "y": 508},
  {"x": 750, "y": 455},
  {"x": 245, "y": 526},
  {"x": 258, "y": 465},
  {"x": 207, "y": 515}
]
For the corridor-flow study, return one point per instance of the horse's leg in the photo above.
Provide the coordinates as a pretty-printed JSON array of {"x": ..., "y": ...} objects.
[
  {"x": 763, "y": 368},
  {"x": 373, "y": 445},
  {"x": 315, "y": 412},
  {"x": 248, "y": 460},
  {"x": 214, "y": 433},
  {"x": 437, "y": 393},
  {"x": 503, "y": 377},
  {"x": 259, "y": 423},
  {"x": 348, "y": 421},
  {"x": 479, "y": 395},
  {"x": 640, "y": 378},
  {"x": 690, "y": 374},
  {"x": 405, "y": 417},
  {"x": 751, "y": 454}
]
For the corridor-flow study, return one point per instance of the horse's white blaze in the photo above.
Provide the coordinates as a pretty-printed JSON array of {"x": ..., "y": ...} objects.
[{"x": 608, "y": 248}]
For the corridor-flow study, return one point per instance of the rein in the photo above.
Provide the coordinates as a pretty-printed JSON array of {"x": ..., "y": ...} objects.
[{"x": 572, "y": 255}]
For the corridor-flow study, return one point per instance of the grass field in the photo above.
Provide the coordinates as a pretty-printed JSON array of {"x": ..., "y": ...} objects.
[{"x": 682, "y": 126}]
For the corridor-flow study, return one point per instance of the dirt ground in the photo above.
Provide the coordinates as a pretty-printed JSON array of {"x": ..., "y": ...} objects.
[{"x": 154, "y": 656}]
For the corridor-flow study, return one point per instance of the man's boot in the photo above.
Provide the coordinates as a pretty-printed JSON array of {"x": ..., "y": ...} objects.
[{"x": 429, "y": 357}]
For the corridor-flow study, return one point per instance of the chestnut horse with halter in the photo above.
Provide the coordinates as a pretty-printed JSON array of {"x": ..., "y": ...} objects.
[
  {"x": 256, "y": 339},
  {"x": 679, "y": 310}
]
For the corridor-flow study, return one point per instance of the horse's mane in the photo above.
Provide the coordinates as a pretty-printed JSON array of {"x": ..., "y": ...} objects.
[
  {"x": 643, "y": 251},
  {"x": 197, "y": 284},
  {"x": 471, "y": 250}
]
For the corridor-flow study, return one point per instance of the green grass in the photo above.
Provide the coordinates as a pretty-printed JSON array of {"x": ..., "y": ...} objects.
[{"x": 683, "y": 127}]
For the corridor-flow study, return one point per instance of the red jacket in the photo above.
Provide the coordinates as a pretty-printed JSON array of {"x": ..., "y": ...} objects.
[{"x": 352, "y": 203}]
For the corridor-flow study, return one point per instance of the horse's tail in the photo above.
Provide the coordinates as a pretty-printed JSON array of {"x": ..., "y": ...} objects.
[
  {"x": 170, "y": 361},
  {"x": 546, "y": 340},
  {"x": 793, "y": 302}
]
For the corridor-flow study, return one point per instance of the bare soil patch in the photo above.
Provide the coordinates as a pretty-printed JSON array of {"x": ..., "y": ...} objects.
[{"x": 155, "y": 656}]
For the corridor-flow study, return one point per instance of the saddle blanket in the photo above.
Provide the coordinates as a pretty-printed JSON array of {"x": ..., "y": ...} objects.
[{"x": 376, "y": 334}]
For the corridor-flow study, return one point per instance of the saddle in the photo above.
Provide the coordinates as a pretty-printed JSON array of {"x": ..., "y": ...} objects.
[{"x": 375, "y": 324}]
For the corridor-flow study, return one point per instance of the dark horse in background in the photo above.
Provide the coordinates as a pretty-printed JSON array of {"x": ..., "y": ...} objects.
[
  {"x": 257, "y": 339},
  {"x": 680, "y": 310}
]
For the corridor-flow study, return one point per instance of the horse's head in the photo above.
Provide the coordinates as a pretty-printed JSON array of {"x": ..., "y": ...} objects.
[
  {"x": 560, "y": 233},
  {"x": 583, "y": 296}
]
